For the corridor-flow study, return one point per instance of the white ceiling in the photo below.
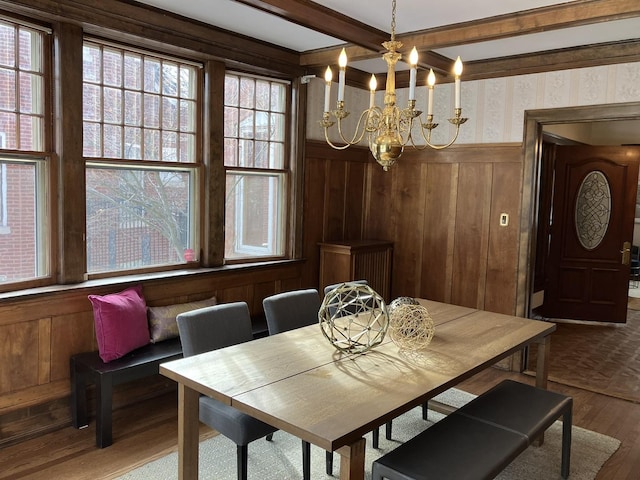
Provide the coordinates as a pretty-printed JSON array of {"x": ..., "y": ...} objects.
[{"x": 411, "y": 16}]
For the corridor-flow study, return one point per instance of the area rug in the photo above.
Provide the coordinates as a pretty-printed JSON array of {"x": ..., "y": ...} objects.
[{"x": 281, "y": 459}]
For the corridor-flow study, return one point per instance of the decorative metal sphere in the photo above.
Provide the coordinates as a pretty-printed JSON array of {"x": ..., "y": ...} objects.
[
  {"x": 353, "y": 317},
  {"x": 410, "y": 326},
  {"x": 401, "y": 301}
]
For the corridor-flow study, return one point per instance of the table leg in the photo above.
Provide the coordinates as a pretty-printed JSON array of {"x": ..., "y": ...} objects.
[
  {"x": 188, "y": 432},
  {"x": 542, "y": 366},
  {"x": 542, "y": 371},
  {"x": 352, "y": 460}
]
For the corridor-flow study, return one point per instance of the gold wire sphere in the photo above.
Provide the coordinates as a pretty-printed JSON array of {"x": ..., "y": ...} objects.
[
  {"x": 353, "y": 317},
  {"x": 411, "y": 326}
]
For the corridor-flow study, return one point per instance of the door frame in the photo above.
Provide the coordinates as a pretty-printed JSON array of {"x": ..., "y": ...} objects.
[{"x": 534, "y": 121}]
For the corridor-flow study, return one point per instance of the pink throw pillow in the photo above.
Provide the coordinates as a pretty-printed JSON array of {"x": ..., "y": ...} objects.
[{"x": 121, "y": 322}]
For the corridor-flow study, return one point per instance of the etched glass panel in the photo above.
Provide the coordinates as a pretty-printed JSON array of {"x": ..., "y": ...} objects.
[{"x": 593, "y": 209}]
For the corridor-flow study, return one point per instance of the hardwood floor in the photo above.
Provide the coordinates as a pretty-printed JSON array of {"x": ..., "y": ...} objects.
[{"x": 148, "y": 430}]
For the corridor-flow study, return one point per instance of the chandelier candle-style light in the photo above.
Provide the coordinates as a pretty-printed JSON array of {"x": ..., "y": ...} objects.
[{"x": 389, "y": 129}]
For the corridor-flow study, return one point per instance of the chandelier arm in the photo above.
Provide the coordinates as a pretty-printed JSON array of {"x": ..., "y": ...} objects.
[
  {"x": 439, "y": 147},
  {"x": 358, "y": 134}
]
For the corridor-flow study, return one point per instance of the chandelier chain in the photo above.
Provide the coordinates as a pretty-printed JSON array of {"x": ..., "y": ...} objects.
[{"x": 393, "y": 20}]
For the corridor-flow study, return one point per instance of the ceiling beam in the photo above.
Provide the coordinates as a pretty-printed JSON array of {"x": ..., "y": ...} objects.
[
  {"x": 324, "y": 20},
  {"x": 562, "y": 59},
  {"x": 571, "y": 14}
]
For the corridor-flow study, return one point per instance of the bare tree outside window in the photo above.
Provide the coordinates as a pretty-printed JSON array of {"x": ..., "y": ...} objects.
[{"x": 139, "y": 138}]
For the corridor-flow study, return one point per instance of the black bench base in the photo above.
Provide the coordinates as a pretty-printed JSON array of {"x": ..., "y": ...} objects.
[
  {"x": 89, "y": 368},
  {"x": 480, "y": 439}
]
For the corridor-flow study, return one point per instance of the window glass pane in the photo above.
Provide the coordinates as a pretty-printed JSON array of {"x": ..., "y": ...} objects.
[
  {"x": 246, "y": 123},
  {"x": 276, "y": 155},
  {"x": 170, "y": 79},
  {"x": 187, "y": 116},
  {"x": 91, "y": 104},
  {"x": 187, "y": 147},
  {"x": 230, "y": 122},
  {"x": 169, "y": 113},
  {"x": 278, "y": 97},
  {"x": 231, "y": 90},
  {"x": 133, "y": 108},
  {"x": 112, "y": 141},
  {"x": 151, "y": 75},
  {"x": 31, "y": 133},
  {"x": 7, "y": 89},
  {"x": 132, "y": 143},
  {"x": 112, "y": 67},
  {"x": 7, "y": 45},
  {"x": 169, "y": 147},
  {"x": 137, "y": 218},
  {"x": 21, "y": 255},
  {"x": 30, "y": 50},
  {"x": 245, "y": 153},
  {"x": 262, "y": 95},
  {"x": 151, "y": 145},
  {"x": 253, "y": 224},
  {"x": 91, "y": 63},
  {"x": 151, "y": 111},
  {"x": 230, "y": 152},
  {"x": 247, "y": 92},
  {"x": 30, "y": 93},
  {"x": 187, "y": 83},
  {"x": 276, "y": 127},
  {"x": 132, "y": 71},
  {"x": 91, "y": 140},
  {"x": 113, "y": 105},
  {"x": 10, "y": 130}
]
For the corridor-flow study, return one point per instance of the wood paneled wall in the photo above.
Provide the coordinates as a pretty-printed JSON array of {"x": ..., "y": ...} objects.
[
  {"x": 441, "y": 209},
  {"x": 40, "y": 331}
]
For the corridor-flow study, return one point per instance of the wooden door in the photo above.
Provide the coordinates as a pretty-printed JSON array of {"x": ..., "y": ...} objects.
[{"x": 587, "y": 274}]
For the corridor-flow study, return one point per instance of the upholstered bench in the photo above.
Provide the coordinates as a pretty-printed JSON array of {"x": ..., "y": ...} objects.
[
  {"x": 88, "y": 367},
  {"x": 481, "y": 438}
]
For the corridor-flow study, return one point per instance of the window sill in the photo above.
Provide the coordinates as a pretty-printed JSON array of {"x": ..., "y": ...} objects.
[{"x": 128, "y": 279}]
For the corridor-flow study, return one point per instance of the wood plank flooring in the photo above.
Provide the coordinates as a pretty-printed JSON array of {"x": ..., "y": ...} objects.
[{"x": 148, "y": 430}]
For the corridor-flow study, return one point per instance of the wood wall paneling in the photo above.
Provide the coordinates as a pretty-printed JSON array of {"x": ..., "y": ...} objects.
[
  {"x": 501, "y": 282},
  {"x": 471, "y": 234},
  {"x": 439, "y": 230},
  {"x": 408, "y": 206},
  {"x": 439, "y": 210}
]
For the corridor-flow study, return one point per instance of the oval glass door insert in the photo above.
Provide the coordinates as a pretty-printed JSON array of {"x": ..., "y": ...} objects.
[{"x": 593, "y": 209}]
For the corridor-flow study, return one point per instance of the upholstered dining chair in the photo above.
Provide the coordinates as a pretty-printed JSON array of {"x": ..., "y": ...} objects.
[
  {"x": 207, "y": 329},
  {"x": 286, "y": 311}
]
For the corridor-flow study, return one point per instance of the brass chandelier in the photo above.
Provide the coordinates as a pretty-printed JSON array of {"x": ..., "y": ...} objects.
[{"x": 389, "y": 129}]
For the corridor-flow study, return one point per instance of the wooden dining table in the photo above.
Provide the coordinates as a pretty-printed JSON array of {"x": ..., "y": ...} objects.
[{"x": 298, "y": 382}]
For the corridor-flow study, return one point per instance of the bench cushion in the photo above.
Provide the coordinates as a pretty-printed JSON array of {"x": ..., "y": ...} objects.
[
  {"x": 520, "y": 407},
  {"x": 461, "y": 448},
  {"x": 120, "y": 322}
]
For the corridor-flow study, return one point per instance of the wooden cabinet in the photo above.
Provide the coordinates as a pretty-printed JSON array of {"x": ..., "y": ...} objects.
[{"x": 347, "y": 260}]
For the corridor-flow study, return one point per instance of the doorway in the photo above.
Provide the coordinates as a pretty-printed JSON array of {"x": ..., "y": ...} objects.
[{"x": 536, "y": 121}]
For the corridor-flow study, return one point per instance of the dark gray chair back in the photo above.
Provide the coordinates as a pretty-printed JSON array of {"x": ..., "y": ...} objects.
[
  {"x": 214, "y": 327},
  {"x": 328, "y": 288},
  {"x": 288, "y": 310}
]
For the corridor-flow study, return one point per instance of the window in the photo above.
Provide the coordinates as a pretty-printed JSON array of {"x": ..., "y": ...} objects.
[
  {"x": 24, "y": 229},
  {"x": 140, "y": 133},
  {"x": 255, "y": 151}
]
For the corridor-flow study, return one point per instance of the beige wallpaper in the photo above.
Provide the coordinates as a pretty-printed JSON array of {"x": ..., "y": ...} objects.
[{"x": 495, "y": 107}]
